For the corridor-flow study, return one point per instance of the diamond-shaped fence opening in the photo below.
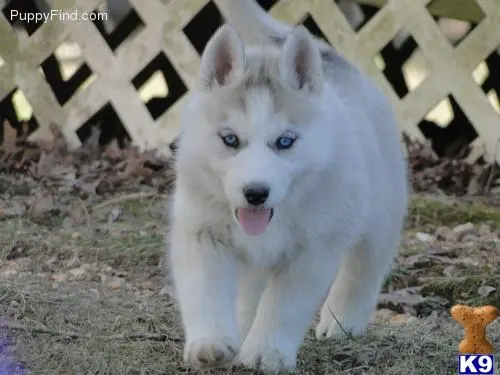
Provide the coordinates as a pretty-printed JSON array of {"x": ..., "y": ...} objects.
[
  {"x": 454, "y": 30},
  {"x": 127, "y": 25},
  {"x": 110, "y": 125},
  {"x": 403, "y": 63},
  {"x": 451, "y": 20},
  {"x": 481, "y": 73},
  {"x": 267, "y": 4},
  {"x": 8, "y": 113},
  {"x": 203, "y": 25},
  {"x": 25, "y": 15},
  {"x": 448, "y": 128},
  {"x": 159, "y": 84},
  {"x": 487, "y": 75},
  {"x": 66, "y": 71},
  {"x": 115, "y": 12},
  {"x": 494, "y": 99},
  {"x": 311, "y": 25},
  {"x": 16, "y": 109},
  {"x": 358, "y": 14}
]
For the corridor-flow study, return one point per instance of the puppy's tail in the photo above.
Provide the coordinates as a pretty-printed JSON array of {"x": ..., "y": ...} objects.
[{"x": 254, "y": 25}]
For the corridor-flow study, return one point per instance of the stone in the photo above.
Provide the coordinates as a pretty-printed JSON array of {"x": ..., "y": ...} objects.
[
  {"x": 116, "y": 284},
  {"x": 484, "y": 230},
  {"x": 73, "y": 262},
  {"x": 463, "y": 229},
  {"x": 445, "y": 234},
  {"x": 424, "y": 237}
]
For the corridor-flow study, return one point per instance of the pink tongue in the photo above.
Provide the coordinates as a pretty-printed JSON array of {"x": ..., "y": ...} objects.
[{"x": 254, "y": 220}]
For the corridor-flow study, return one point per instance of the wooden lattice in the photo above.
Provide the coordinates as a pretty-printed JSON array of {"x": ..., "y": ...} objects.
[{"x": 165, "y": 32}]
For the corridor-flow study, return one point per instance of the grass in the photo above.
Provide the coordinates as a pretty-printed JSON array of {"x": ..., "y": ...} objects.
[
  {"x": 81, "y": 325},
  {"x": 430, "y": 212},
  {"x": 455, "y": 289}
]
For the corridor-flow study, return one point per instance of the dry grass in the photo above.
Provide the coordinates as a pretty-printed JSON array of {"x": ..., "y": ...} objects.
[{"x": 81, "y": 325}]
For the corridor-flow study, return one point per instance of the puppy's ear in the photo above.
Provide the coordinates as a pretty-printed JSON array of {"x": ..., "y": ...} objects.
[
  {"x": 300, "y": 64},
  {"x": 223, "y": 60}
]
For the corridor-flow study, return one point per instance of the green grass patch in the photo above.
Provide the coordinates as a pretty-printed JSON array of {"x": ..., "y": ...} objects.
[{"x": 431, "y": 212}]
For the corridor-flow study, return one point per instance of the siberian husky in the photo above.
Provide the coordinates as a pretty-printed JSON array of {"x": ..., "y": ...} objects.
[{"x": 291, "y": 187}]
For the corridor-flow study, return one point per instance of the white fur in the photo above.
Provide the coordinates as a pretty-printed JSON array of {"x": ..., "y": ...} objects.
[{"x": 339, "y": 197}]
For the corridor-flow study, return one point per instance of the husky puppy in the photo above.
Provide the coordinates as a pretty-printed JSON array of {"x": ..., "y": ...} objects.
[{"x": 291, "y": 187}]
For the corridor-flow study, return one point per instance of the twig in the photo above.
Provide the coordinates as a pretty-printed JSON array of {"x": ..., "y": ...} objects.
[
  {"x": 492, "y": 170},
  {"x": 41, "y": 330},
  {"x": 138, "y": 336},
  {"x": 348, "y": 334},
  {"x": 87, "y": 216},
  {"x": 352, "y": 369},
  {"x": 122, "y": 199},
  {"x": 134, "y": 336}
]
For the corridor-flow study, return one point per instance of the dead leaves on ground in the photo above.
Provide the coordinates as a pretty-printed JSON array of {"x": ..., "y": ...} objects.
[
  {"x": 92, "y": 168},
  {"x": 435, "y": 271},
  {"x": 26, "y": 166},
  {"x": 12, "y": 143},
  {"x": 41, "y": 178},
  {"x": 456, "y": 176}
]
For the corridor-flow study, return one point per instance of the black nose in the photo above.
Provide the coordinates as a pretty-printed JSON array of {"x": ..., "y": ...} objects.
[{"x": 256, "y": 194}]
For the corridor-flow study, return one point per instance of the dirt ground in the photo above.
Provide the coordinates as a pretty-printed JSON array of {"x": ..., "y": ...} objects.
[{"x": 86, "y": 292}]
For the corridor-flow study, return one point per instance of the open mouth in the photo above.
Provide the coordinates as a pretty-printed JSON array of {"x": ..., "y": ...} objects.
[{"x": 254, "y": 221}]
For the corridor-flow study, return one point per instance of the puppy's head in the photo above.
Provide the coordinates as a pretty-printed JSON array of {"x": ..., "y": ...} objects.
[{"x": 254, "y": 124}]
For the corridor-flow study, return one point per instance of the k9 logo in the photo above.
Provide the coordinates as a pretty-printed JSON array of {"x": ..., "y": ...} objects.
[{"x": 472, "y": 364}]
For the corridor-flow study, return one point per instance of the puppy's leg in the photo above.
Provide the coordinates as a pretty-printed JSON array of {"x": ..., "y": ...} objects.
[
  {"x": 205, "y": 282},
  {"x": 288, "y": 303},
  {"x": 354, "y": 293},
  {"x": 251, "y": 284}
]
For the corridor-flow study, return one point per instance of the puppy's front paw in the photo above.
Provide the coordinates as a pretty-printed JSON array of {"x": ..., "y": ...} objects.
[
  {"x": 267, "y": 360},
  {"x": 210, "y": 353}
]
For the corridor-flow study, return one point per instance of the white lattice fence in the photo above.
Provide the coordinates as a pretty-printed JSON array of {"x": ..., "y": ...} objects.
[
  {"x": 450, "y": 69},
  {"x": 114, "y": 71}
]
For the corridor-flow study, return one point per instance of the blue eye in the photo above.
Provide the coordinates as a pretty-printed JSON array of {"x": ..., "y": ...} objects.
[
  {"x": 284, "y": 143},
  {"x": 231, "y": 140}
]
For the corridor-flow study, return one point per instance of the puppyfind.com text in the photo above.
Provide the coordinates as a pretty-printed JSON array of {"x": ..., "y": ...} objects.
[{"x": 56, "y": 14}]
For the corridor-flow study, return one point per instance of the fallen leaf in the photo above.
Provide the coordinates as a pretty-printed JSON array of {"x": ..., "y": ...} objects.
[
  {"x": 115, "y": 284},
  {"x": 58, "y": 277},
  {"x": 417, "y": 261},
  {"x": 401, "y": 296},
  {"x": 43, "y": 203},
  {"x": 114, "y": 214},
  {"x": 424, "y": 237},
  {"x": 113, "y": 151},
  {"x": 147, "y": 285},
  {"x": 486, "y": 290},
  {"x": 464, "y": 229},
  {"x": 449, "y": 271},
  {"x": 445, "y": 234},
  {"x": 77, "y": 272},
  {"x": 57, "y": 140},
  {"x": 9, "y": 143},
  {"x": 72, "y": 262}
]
